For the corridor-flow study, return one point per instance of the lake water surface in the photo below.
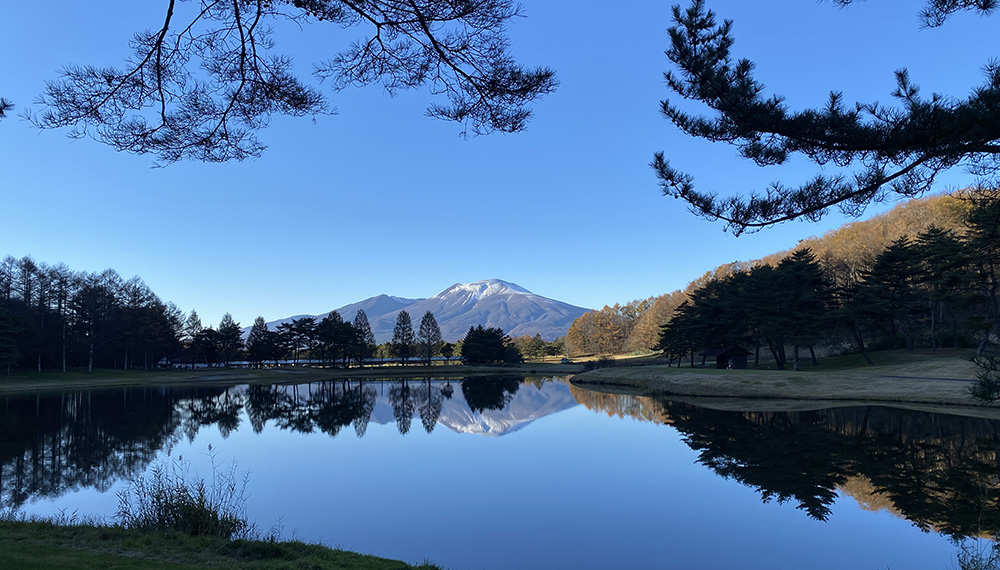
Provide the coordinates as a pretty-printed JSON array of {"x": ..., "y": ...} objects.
[{"x": 501, "y": 473}]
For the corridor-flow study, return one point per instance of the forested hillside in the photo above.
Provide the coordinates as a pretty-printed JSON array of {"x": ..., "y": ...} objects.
[{"x": 922, "y": 274}]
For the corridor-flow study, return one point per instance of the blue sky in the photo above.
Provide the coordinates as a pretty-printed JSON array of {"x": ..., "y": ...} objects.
[{"x": 380, "y": 199}]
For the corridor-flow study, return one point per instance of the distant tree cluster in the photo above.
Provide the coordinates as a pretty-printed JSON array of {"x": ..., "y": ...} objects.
[
  {"x": 940, "y": 287},
  {"x": 331, "y": 341},
  {"x": 537, "y": 347},
  {"x": 767, "y": 306},
  {"x": 488, "y": 346},
  {"x": 921, "y": 275},
  {"x": 425, "y": 342},
  {"x": 620, "y": 329},
  {"x": 54, "y": 317}
]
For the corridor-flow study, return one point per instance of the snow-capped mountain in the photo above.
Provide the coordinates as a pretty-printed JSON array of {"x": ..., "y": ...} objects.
[{"x": 491, "y": 303}]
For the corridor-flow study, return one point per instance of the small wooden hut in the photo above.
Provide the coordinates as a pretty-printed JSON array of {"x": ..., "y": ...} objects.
[{"x": 728, "y": 357}]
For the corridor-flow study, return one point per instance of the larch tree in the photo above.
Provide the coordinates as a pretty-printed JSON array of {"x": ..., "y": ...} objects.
[
  {"x": 202, "y": 82},
  {"x": 192, "y": 326},
  {"x": 402, "y": 336},
  {"x": 366, "y": 339},
  {"x": 230, "y": 338},
  {"x": 257, "y": 342},
  {"x": 893, "y": 149},
  {"x": 428, "y": 335},
  {"x": 8, "y": 341}
]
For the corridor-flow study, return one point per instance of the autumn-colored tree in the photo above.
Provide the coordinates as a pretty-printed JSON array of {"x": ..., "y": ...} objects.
[{"x": 646, "y": 328}]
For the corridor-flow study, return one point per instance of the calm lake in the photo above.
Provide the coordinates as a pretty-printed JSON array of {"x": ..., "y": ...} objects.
[{"x": 501, "y": 473}]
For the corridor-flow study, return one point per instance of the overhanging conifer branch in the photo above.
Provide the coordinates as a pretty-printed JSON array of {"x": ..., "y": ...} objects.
[
  {"x": 895, "y": 149},
  {"x": 206, "y": 81}
]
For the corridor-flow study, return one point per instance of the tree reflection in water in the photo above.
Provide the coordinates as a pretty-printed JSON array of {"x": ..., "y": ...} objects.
[
  {"x": 938, "y": 471},
  {"x": 52, "y": 443},
  {"x": 490, "y": 392}
]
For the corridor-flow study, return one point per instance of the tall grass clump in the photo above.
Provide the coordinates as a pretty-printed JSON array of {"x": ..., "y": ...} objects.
[
  {"x": 978, "y": 553},
  {"x": 166, "y": 498}
]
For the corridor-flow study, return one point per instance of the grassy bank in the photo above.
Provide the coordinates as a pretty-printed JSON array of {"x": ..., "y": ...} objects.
[
  {"x": 45, "y": 545},
  {"x": 53, "y": 380},
  {"x": 917, "y": 378}
]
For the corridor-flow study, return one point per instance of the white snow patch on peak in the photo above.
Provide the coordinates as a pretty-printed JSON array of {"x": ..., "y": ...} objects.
[{"x": 484, "y": 288}]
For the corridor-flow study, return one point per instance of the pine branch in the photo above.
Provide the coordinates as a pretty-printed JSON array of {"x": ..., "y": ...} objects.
[
  {"x": 203, "y": 83},
  {"x": 894, "y": 149}
]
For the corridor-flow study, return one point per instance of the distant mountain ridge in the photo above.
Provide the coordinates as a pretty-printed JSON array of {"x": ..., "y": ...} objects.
[{"x": 490, "y": 302}]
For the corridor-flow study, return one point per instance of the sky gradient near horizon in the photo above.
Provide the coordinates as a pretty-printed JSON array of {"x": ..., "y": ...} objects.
[{"x": 381, "y": 199}]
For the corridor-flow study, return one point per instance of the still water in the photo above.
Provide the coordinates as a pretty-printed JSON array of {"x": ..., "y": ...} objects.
[{"x": 489, "y": 474}]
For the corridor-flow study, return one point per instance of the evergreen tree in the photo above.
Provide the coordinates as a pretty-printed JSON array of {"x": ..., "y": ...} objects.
[
  {"x": 230, "y": 339},
  {"x": 338, "y": 339},
  {"x": 857, "y": 311},
  {"x": 983, "y": 223},
  {"x": 946, "y": 278},
  {"x": 402, "y": 337},
  {"x": 804, "y": 298},
  {"x": 8, "y": 345},
  {"x": 676, "y": 335},
  {"x": 258, "y": 342},
  {"x": 428, "y": 335},
  {"x": 892, "y": 281},
  {"x": 288, "y": 341},
  {"x": 207, "y": 346},
  {"x": 487, "y": 346},
  {"x": 192, "y": 326},
  {"x": 329, "y": 335},
  {"x": 94, "y": 306},
  {"x": 366, "y": 339},
  {"x": 304, "y": 334}
]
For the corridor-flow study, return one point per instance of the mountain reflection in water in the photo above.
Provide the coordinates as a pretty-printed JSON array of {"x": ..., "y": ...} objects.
[
  {"x": 939, "y": 472},
  {"x": 54, "y": 443}
]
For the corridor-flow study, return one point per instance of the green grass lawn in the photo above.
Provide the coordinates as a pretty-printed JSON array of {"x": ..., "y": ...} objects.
[
  {"x": 30, "y": 545},
  {"x": 922, "y": 377}
]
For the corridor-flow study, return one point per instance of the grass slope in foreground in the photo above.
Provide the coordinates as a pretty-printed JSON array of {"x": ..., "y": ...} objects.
[{"x": 36, "y": 545}]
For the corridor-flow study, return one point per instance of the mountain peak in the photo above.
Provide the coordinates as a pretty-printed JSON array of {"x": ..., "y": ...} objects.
[
  {"x": 480, "y": 289},
  {"x": 490, "y": 303}
]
